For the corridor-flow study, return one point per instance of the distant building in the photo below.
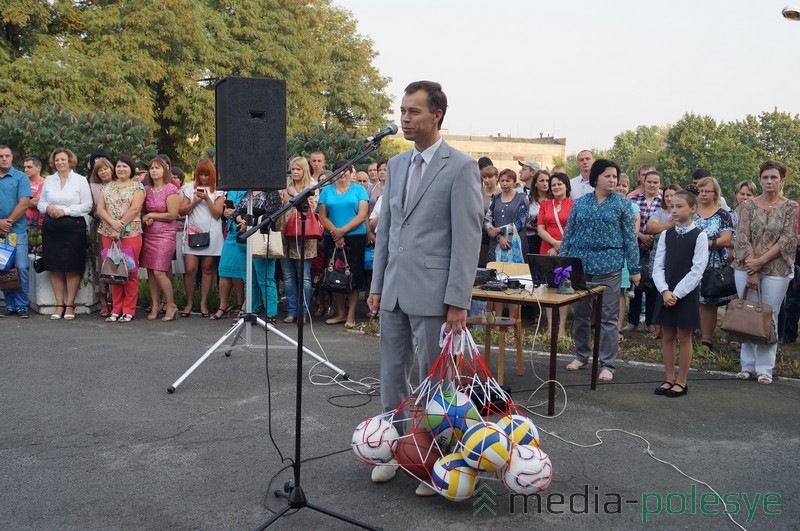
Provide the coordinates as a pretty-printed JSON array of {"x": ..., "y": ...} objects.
[{"x": 506, "y": 152}]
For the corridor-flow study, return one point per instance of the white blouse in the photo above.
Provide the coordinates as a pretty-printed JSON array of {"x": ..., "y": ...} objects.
[
  {"x": 695, "y": 274},
  {"x": 75, "y": 199}
]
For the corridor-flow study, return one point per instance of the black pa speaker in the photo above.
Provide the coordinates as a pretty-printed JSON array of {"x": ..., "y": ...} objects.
[{"x": 251, "y": 133}]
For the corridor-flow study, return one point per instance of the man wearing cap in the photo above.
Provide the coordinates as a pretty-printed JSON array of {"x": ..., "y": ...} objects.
[
  {"x": 527, "y": 171},
  {"x": 580, "y": 184}
]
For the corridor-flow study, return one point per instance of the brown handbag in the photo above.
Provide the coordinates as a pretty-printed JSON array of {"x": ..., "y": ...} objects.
[
  {"x": 9, "y": 279},
  {"x": 750, "y": 320}
]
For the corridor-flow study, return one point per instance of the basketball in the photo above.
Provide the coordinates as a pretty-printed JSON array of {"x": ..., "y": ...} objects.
[
  {"x": 453, "y": 478},
  {"x": 521, "y": 430},
  {"x": 374, "y": 440},
  {"x": 529, "y": 470},
  {"x": 485, "y": 447},
  {"x": 448, "y": 416},
  {"x": 416, "y": 454}
]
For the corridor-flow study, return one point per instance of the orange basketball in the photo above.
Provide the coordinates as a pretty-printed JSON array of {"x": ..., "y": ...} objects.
[{"x": 416, "y": 453}]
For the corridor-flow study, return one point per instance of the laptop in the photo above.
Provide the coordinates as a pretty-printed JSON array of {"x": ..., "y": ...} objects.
[{"x": 543, "y": 270}]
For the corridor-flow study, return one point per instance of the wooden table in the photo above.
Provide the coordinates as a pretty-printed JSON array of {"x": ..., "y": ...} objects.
[{"x": 553, "y": 300}]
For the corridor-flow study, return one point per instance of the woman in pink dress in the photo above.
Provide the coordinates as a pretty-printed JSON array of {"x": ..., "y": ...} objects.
[{"x": 161, "y": 203}]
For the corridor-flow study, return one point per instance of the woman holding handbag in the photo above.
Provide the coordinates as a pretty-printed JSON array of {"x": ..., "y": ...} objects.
[
  {"x": 202, "y": 204},
  {"x": 763, "y": 257},
  {"x": 119, "y": 208},
  {"x": 550, "y": 225},
  {"x": 343, "y": 210},
  {"x": 299, "y": 180},
  {"x": 66, "y": 200}
]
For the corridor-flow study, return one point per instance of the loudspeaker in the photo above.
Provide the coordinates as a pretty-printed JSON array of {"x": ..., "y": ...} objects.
[{"x": 251, "y": 133}]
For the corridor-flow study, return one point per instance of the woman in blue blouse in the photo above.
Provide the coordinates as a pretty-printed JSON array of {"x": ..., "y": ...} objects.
[
  {"x": 601, "y": 231},
  {"x": 343, "y": 210}
]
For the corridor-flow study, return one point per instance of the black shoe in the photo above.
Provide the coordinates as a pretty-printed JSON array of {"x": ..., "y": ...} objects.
[
  {"x": 675, "y": 394},
  {"x": 661, "y": 390},
  {"x": 8, "y": 313},
  {"x": 22, "y": 313}
]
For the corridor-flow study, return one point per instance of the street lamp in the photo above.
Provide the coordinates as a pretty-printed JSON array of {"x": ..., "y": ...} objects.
[{"x": 791, "y": 13}]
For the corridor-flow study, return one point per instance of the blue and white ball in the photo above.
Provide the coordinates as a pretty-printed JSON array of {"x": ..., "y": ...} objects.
[
  {"x": 449, "y": 414},
  {"x": 521, "y": 430},
  {"x": 529, "y": 470},
  {"x": 453, "y": 478},
  {"x": 374, "y": 441},
  {"x": 485, "y": 447}
]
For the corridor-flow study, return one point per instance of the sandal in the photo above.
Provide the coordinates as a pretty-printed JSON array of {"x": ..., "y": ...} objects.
[
  {"x": 674, "y": 394},
  {"x": 55, "y": 315},
  {"x": 69, "y": 316},
  {"x": 237, "y": 313},
  {"x": 221, "y": 313},
  {"x": 105, "y": 311},
  {"x": 574, "y": 365},
  {"x": 620, "y": 338},
  {"x": 744, "y": 375},
  {"x": 186, "y": 314},
  {"x": 126, "y": 318},
  {"x": 661, "y": 390},
  {"x": 763, "y": 379},
  {"x": 290, "y": 319},
  {"x": 708, "y": 346},
  {"x": 272, "y": 319},
  {"x": 113, "y": 318},
  {"x": 605, "y": 376}
]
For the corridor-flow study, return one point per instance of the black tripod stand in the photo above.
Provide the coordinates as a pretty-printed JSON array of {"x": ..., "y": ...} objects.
[{"x": 293, "y": 491}]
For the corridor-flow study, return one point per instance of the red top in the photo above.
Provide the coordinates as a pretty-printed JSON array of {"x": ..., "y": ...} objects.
[{"x": 547, "y": 218}]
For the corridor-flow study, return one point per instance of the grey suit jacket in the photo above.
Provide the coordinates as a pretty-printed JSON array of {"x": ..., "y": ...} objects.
[{"x": 426, "y": 254}]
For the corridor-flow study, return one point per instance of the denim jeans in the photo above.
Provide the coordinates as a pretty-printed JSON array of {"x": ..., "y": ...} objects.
[
  {"x": 291, "y": 276},
  {"x": 17, "y": 299},
  {"x": 264, "y": 273}
]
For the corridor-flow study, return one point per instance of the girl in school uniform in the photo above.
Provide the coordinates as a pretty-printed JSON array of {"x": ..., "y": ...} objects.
[{"x": 681, "y": 258}]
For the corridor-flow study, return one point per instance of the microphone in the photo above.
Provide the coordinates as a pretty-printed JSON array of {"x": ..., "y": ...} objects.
[{"x": 390, "y": 129}]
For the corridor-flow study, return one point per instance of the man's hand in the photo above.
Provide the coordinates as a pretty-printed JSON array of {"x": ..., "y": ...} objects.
[
  {"x": 456, "y": 319},
  {"x": 5, "y": 226},
  {"x": 374, "y": 302}
]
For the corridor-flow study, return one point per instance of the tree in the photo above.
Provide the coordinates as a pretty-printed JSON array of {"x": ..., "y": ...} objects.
[
  {"x": 634, "y": 148},
  {"x": 337, "y": 143},
  {"x": 159, "y": 60},
  {"x": 688, "y": 146}
]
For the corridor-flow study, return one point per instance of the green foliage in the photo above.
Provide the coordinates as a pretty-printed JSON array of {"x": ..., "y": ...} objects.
[
  {"x": 159, "y": 60},
  {"x": 38, "y": 132},
  {"x": 334, "y": 141},
  {"x": 634, "y": 148}
]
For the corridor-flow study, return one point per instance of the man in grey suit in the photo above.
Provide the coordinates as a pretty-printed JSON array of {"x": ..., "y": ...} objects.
[{"x": 427, "y": 251}]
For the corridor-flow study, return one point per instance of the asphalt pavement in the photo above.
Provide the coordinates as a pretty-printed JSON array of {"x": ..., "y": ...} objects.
[{"x": 91, "y": 439}]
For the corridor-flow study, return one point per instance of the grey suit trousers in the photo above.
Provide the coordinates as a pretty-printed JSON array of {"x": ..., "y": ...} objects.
[
  {"x": 397, "y": 353},
  {"x": 609, "y": 322}
]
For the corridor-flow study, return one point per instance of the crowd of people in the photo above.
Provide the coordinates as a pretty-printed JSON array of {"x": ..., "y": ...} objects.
[
  {"x": 626, "y": 239},
  {"x": 166, "y": 226}
]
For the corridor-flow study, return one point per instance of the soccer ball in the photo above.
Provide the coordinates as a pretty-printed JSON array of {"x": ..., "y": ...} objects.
[
  {"x": 529, "y": 470},
  {"x": 453, "y": 478},
  {"x": 485, "y": 446},
  {"x": 374, "y": 440},
  {"x": 448, "y": 416},
  {"x": 521, "y": 430}
]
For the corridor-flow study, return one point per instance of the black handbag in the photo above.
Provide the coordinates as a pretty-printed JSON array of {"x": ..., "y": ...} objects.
[
  {"x": 718, "y": 281},
  {"x": 38, "y": 264},
  {"x": 201, "y": 239},
  {"x": 337, "y": 280}
]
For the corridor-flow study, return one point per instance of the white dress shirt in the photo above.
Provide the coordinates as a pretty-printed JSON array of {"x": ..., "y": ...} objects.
[
  {"x": 699, "y": 262},
  {"x": 75, "y": 199},
  {"x": 579, "y": 187},
  {"x": 427, "y": 157}
]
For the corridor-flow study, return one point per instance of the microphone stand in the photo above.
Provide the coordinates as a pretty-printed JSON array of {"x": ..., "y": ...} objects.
[{"x": 292, "y": 491}]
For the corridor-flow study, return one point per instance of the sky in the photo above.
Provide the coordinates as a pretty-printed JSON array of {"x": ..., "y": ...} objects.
[{"x": 586, "y": 70}]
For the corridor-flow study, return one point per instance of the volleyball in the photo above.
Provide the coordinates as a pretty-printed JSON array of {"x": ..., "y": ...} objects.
[
  {"x": 453, "y": 478},
  {"x": 529, "y": 470},
  {"x": 449, "y": 415},
  {"x": 521, "y": 430},
  {"x": 485, "y": 447},
  {"x": 374, "y": 440}
]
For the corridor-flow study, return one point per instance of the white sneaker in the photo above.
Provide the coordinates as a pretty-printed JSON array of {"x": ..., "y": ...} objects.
[
  {"x": 384, "y": 473},
  {"x": 629, "y": 327},
  {"x": 424, "y": 490}
]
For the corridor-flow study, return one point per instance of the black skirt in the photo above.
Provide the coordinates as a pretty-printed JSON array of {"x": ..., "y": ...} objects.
[
  {"x": 64, "y": 244},
  {"x": 685, "y": 314}
]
